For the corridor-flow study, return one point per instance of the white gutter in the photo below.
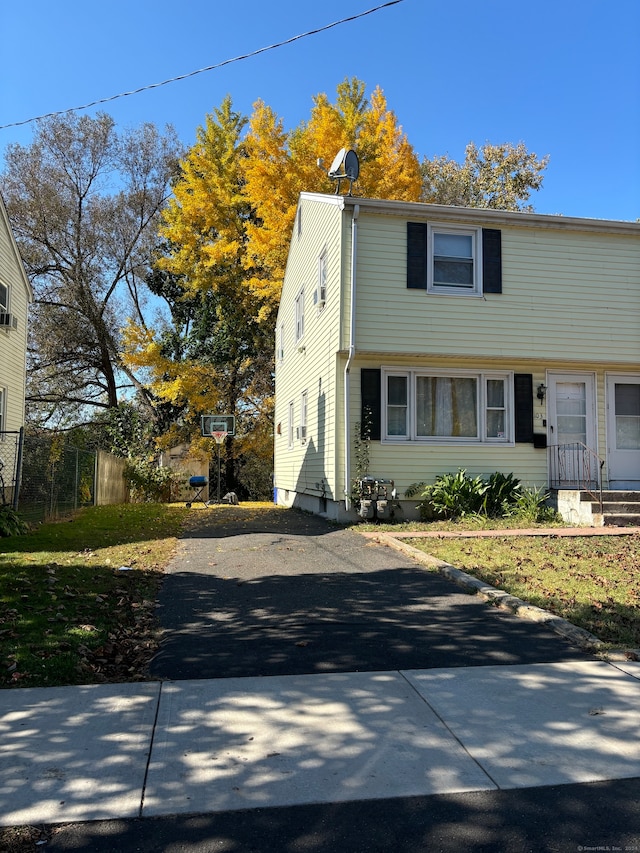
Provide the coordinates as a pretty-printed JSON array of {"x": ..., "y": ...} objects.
[{"x": 352, "y": 351}]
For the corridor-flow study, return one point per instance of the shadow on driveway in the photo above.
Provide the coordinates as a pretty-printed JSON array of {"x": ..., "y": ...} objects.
[{"x": 282, "y": 593}]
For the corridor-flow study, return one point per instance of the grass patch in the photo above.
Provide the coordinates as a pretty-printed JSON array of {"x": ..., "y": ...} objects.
[
  {"x": 594, "y": 582},
  {"x": 68, "y": 613},
  {"x": 470, "y": 522}
]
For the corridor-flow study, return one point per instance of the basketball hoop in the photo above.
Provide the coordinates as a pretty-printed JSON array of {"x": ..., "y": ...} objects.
[{"x": 219, "y": 435}]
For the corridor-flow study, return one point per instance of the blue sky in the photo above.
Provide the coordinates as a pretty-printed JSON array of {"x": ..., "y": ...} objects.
[{"x": 561, "y": 76}]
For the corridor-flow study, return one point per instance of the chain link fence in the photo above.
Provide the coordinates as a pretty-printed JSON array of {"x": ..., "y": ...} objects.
[
  {"x": 57, "y": 478},
  {"x": 10, "y": 455}
]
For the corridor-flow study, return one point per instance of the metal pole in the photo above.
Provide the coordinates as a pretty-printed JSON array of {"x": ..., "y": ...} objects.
[
  {"x": 18, "y": 480},
  {"x": 219, "y": 444}
]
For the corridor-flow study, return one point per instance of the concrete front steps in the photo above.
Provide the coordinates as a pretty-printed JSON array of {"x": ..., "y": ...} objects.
[{"x": 619, "y": 508}]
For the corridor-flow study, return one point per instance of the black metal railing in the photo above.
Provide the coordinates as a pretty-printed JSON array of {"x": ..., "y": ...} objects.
[{"x": 576, "y": 466}]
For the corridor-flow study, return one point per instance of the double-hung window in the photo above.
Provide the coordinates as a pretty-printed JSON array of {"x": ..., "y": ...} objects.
[
  {"x": 320, "y": 296},
  {"x": 454, "y": 260},
  {"x": 303, "y": 416},
  {"x": 280, "y": 347},
  {"x": 299, "y": 320},
  {"x": 438, "y": 406},
  {"x": 397, "y": 405},
  {"x": 4, "y": 299},
  {"x": 290, "y": 424}
]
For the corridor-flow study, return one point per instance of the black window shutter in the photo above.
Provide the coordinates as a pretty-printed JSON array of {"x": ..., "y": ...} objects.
[
  {"x": 417, "y": 255},
  {"x": 371, "y": 402},
  {"x": 491, "y": 260},
  {"x": 523, "y": 395}
]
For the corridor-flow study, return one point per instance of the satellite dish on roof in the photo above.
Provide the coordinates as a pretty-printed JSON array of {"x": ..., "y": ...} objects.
[
  {"x": 338, "y": 160},
  {"x": 345, "y": 166},
  {"x": 351, "y": 165}
]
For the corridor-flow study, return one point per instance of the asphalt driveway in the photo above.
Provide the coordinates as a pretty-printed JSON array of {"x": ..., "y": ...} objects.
[{"x": 279, "y": 592}]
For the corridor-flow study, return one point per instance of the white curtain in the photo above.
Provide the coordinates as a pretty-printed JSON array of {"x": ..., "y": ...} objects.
[{"x": 446, "y": 406}]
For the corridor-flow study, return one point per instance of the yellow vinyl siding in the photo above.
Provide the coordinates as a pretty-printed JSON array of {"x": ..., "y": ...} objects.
[
  {"x": 309, "y": 364},
  {"x": 564, "y": 293}
]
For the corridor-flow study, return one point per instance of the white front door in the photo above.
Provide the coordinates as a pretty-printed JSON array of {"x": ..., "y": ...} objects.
[
  {"x": 571, "y": 424},
  {"x": 623, "y": 431}
]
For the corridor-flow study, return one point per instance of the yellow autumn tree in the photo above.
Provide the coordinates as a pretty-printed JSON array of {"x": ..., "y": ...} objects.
[
  {"x": 214, "y": 355},
  {"x": 281, "y": 165}
]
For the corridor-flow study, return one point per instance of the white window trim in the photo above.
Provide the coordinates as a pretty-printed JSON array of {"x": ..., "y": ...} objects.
[
  {"x": 6, "y": 309},
  {"x": 481, "y": 377},
  {"x": 476, "y": 235},
  {"x": 3, "y": 410},
  {"x": 290, "y": 424},
  {"x": 299, "y": 315},
  {"x": 302, "y": 434},
  {"x": 280, "y": 346},
  {"x": 320, "y": 294}
]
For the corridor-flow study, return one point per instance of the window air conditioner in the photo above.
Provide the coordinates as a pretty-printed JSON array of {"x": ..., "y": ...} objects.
[
  {"x": 8, "y": 321},
  {"x": 301, "y": 432}
]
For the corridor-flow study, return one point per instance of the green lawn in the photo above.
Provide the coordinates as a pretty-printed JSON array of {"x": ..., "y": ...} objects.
[
  {"x": 594, "y": 582},
  {"x": 77, "y": 598}
]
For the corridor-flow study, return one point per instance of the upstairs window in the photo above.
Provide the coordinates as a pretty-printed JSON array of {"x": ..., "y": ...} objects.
[
  {"x": 299, "y": 315},
  {"x": 453, "y": 261},
  {"x": 320, "y": 296},
  {"x": 280, "y": 347},
  {"x": 4, "y": 298}
]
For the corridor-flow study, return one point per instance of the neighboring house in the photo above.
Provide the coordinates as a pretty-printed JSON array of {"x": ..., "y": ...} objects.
[
  {"x": 15, "y": 296},
  {"x": 467, "y": 338}
]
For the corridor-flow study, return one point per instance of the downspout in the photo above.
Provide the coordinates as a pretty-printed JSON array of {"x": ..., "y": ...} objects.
[{"x": 352, "y": 351}]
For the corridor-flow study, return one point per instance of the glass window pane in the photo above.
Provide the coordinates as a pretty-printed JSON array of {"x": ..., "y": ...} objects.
[
  {"x": 446, "y": 406},
  {"x": 4, "y": 297},
  {"x": 453, "y": 273},
  {"x": 572, "y": 429},
  {"x": 627, "y": 433},
  {"x": 495, "y": 424},
  {"x": 628, "y": 399},
  {"x": 571, "y": 407},
  {"x": 495, "y": 393},
  {"x": 396, "y": 420},
  {"x": 453, "y": 245},
  {"x": 397, "y": 390}
]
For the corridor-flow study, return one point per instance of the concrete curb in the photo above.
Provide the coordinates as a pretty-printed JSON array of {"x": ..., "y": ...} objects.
[{"x": 582, "y": 638}]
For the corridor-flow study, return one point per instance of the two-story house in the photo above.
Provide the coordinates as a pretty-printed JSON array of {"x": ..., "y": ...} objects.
[
  {"x": 447, "y": 338},
  {"x": 15, "y": 297}
]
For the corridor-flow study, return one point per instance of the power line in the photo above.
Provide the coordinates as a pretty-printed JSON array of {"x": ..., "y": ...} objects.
[{"x": 202, "y": 70}]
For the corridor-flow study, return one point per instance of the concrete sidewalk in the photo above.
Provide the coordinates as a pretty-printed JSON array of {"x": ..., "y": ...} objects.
[{"x": 210, "y": 746}]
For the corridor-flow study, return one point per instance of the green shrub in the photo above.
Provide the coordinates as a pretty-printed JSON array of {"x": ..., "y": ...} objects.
[
  {"x": 450, "y": 496},
  {"x": 531, "y": 506},
  {"x": 148, "y": 482},
  {"x": 503, "y": 491},
  {"x": 10, "y": 522},
  {"x": 459, "y": 495}
]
